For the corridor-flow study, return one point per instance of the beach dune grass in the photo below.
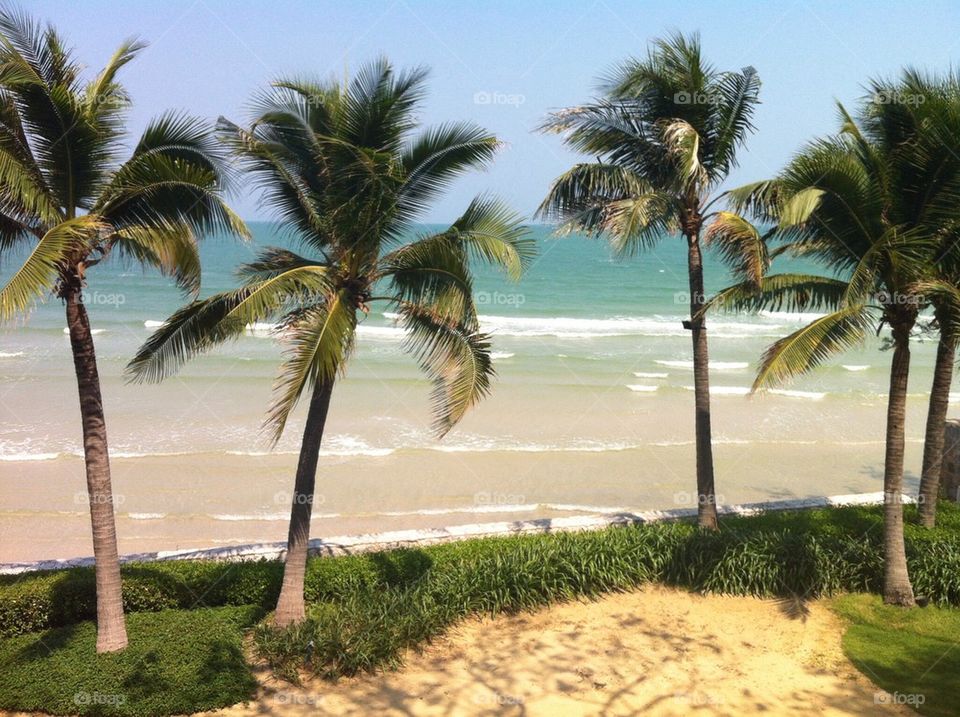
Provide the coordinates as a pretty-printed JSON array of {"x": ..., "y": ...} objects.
[
  {"x": 178, "y": 662},
  {"x": 912, "y": 654}
]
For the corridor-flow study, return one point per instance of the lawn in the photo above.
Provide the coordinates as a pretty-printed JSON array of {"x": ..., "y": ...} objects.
[{"x": 912, "y": 654}]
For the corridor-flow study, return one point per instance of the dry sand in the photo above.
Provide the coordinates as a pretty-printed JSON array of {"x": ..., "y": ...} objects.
[{"x": 655, "y": 652}]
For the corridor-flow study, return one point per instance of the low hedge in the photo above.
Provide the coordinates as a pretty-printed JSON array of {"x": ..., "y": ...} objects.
[
  {"x": 816, "y": 552},
  {"x": 178, "y": 662}
]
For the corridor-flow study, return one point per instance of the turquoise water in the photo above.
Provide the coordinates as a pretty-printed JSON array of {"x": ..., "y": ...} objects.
[{"x": 579, "y": 317}]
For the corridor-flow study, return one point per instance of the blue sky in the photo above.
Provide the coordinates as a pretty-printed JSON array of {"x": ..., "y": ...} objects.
[{"x": 505, "y": 65}]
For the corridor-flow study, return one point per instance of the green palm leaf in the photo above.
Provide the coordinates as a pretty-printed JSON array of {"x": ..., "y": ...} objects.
[
  {"x": 39, "y": 272},
  {"x": 810, "y": 346},
  {"x": 455, "y": 356},
  {"x": 320, "y": 340}
]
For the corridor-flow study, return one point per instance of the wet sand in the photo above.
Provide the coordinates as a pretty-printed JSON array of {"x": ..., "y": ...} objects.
[{"x": 213, "y": 500}]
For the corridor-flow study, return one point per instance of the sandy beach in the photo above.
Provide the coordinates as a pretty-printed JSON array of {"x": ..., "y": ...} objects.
[{"x": 655, "y": 652}]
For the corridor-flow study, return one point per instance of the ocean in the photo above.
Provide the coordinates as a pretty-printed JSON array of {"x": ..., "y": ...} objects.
[{"x": 591, "y": 412}]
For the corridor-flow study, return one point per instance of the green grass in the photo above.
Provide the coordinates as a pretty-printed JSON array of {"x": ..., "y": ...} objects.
[
  {"x": 177, "y": 662},
  {"x": 905, "y": 652}
]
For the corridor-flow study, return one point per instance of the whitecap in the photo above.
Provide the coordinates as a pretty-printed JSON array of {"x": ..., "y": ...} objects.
[
  {"x": 714, "y": 365},
  {"x": 850, "y": 367},
  {"x": 16, "y": 457},
  {"x": 642, "y": 389},
  {"x": 811, "y": 395},
  {"x": 645, "y": 374},
  {"x": 726, "y": 390}
]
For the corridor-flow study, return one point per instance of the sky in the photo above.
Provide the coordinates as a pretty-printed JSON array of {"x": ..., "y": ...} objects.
[{"x": 506, "y": 65}]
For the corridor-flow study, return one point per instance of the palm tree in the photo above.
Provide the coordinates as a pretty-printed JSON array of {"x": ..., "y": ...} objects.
[
  {"x": 933, "y": 129},
  {"x": 869, "y": 205},
  {"x": 65, "y": 197},
  {"x": 346, "y": 175},
  {"x": 665, "y": 135}
]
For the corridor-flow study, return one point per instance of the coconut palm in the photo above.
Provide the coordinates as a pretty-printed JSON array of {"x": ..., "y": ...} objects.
[
  {"x": 345, "y": 173},
  {"x": 933, "y": 129},
  {"x": 869, "y": 205},
  {"x": 665, "y": 134},
  {"x": 67, "y": 203}
]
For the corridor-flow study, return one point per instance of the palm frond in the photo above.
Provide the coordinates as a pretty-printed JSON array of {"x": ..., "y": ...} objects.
[
  {"x": 172, "y": 249},
  {"x": 810, "y": 346},
  {"x": 203, "y": 324},
  {"x": 38, "y": 274},
  {"x": 456, "y": 357},
  {"x": 740, "y": 246},
  {"x": 777, "y": 292},
  {"x": 321, "y": 339}
]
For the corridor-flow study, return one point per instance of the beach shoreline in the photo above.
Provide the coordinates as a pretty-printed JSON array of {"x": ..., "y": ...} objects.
[{"x": 372, "y": 542}]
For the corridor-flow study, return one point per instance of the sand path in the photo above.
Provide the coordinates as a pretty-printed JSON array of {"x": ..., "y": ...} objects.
[{"x": 655, "y": 652}]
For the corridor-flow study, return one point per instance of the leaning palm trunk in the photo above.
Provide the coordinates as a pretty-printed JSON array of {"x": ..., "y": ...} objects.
[
  {"x": 896, "y": 580},
  {"x": 933, "y": 443},
  {"x": 290, "y": 605},
  {"x": 706, "y": 498},
  {"x": 111, "y": 629}
]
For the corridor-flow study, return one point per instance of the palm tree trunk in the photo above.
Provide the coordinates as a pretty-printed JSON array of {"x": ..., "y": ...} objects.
[
  {"x": 933, "y": 443},
  {"x": 111, "y": 628},
  {"x": 290, "y": 605},
  {"x": 706, "y": 497},
  {"x": 896, "y": 580}
]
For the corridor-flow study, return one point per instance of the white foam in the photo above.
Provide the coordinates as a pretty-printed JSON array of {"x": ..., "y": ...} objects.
[
  {"x": 642, "y": 389},
  {"x": 236, "y": 517},
  {"x": 10, "y": 354},
  {"x": 390, "y": 333},
  {"x": 481, "y": 508},
  {"x": 850, "y": 367},
  {"x": 146, "y": 516},
  {"x": 95, "y": 332},
  {"x": 725, "y": 390},
  {"x": 799, "y": 317},
  {"x": 577, "y": 328},
  {"x": 153, "y": 324},
  {"x": 501, "y": 355},
  {"x": 811, "y": 395},
  {"x": 645, "y": 374},
  {"x": 14, "y": 457},
  {"x": 714, "y": 365}
]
